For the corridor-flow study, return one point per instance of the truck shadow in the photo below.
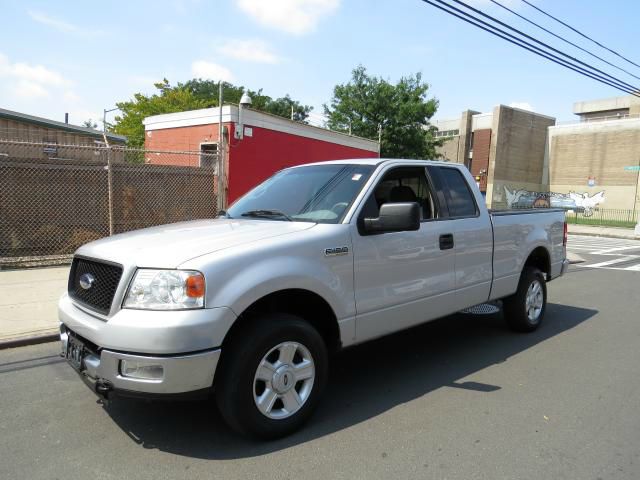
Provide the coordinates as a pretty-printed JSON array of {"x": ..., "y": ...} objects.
[{"x": 364, "y": 382}]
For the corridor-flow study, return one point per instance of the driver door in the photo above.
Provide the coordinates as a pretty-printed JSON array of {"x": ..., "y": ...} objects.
[{"x": 402, "y": 278}]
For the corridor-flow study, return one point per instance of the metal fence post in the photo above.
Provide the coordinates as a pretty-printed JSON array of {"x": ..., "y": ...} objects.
[{"x": 110, "y": 190}]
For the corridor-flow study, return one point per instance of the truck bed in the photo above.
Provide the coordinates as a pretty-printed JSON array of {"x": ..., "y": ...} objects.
[{"x": 516, "y": 234}]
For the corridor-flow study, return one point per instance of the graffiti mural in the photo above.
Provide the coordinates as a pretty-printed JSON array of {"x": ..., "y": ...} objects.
[{"x": 580, "y": 202}]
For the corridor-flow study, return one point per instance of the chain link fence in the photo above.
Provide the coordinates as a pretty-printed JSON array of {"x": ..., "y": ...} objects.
[{"x": 54, "y": 198}]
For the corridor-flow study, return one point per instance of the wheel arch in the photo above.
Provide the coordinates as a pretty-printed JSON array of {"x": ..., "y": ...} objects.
[
  {"x": 541, "y": 259},
  {"x": 296, "y": 301}
]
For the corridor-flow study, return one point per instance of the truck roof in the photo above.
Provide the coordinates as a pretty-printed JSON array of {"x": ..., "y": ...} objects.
[{"x": 376, "y": 161}]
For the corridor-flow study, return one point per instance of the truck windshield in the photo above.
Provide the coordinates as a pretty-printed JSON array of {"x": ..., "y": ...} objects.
[{"x": 317, "y": 193}]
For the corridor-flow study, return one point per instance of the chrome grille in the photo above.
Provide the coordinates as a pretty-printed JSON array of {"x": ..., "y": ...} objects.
[{"x": 100, "y": 295}]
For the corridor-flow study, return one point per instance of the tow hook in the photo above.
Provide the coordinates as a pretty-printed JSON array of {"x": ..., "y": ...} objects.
[{"x": 103, "y": 389}]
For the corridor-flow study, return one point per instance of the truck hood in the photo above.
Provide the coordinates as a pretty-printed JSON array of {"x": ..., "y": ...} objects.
[{"x": 167, "y": 246}]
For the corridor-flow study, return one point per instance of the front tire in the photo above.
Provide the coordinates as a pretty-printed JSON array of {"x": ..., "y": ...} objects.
[
  {"x": 525, "y": 309},
  {"x": 272, "y": 374}
]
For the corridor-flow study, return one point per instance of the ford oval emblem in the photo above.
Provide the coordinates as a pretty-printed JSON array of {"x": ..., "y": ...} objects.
[{"x": 87, "y": 281}]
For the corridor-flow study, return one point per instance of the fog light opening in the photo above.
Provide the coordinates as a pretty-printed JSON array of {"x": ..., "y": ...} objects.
[{"x": 142, "y": 371}]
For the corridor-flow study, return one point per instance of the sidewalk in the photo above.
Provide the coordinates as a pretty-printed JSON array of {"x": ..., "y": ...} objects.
[
  {"x": 611, "y": 232},
  {"x": 28, "y": 304}
]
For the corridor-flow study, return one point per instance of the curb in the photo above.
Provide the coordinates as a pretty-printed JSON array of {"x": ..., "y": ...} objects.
[
  {"x": 605, "y": 235},
  {"x": 574, "y": 258},
  {"x": 30, "y": 340}
]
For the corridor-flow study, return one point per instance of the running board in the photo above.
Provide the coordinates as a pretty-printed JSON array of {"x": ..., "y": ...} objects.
[{"x": 482, "y": 309}]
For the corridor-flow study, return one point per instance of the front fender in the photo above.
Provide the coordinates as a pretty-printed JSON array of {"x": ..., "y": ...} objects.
[{"x": 254, "y": 282}]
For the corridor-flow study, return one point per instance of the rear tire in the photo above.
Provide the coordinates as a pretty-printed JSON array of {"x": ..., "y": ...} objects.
[
  {"x": 272, "y": 375},
  {"x": 525, "y": 309}
]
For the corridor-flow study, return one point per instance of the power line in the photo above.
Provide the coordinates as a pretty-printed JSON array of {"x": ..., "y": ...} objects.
[
  {"x": 495, "y": 20},
  {"x": 466, "y": 17},
  {"x": 580, "y": 33},
  {"x": 562, "y": 38}
]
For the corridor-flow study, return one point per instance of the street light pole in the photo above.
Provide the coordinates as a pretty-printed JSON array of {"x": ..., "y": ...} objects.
[
  {"x": 104, "y": 122},
  {"x": 635, "y": 201}
]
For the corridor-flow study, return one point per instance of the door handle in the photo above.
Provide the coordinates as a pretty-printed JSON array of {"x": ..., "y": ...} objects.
[{"x": 446, "y": 241}]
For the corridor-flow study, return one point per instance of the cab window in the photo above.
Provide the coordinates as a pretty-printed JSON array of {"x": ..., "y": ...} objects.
[{"x": 404, "y": 184}]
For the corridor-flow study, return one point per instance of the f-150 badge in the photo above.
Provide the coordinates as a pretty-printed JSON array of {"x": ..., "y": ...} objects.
[{"x": 332, "y": 252}]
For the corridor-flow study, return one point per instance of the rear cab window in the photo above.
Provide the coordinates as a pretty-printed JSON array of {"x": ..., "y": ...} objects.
[{"x": 460, "y": 200}]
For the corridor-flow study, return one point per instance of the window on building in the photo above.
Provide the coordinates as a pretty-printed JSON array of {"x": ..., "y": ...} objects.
[
  {"x": 447, "y": 133},
  {"x": 208, "y": 155}
]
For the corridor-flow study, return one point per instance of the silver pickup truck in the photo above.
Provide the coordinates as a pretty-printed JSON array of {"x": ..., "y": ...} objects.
[{"x": 250, "y": 306}]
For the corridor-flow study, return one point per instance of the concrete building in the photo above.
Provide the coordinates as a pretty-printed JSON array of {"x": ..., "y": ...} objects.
[
  {"x": 597, "y": 159},
  {"x": 502, "y": 148},
  {"x": 615, "y": 108},
  {"x": 268, "y": 144}
]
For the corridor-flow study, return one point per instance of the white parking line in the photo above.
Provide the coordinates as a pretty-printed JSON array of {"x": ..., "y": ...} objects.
[
  {"x": 608, "y": 247},
  {"x": 617, "y": 249},
  {"x": 613, "y": 261}
]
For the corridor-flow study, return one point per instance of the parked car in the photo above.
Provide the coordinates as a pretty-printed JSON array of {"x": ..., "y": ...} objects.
[{"x": 250, "y": 306}]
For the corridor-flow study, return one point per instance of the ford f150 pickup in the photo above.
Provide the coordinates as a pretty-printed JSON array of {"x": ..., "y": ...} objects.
[{"x": 250, "y": 306}]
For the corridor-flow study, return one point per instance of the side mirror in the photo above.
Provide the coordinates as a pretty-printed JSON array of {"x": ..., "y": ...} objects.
[{"x": 395, "y": 217}]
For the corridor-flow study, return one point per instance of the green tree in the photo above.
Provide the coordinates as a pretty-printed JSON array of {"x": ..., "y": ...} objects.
[
  {"x": 207, "y": 90},
  {"x": 90, "y": 124},
  {"x": 402, "y": 111},
  {"x": 168, "y": 99},
  {"x": 192, "y": 95}
]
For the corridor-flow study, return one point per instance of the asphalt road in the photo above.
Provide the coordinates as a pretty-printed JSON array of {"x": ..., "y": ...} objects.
[{"x": 460, "y": 398}]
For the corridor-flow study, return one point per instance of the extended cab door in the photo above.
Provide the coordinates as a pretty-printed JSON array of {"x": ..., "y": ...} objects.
[
  {"x": 469, "y": 221},
  {"x": 402, "y": 278}
]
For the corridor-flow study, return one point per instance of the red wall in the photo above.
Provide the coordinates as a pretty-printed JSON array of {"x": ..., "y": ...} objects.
[
  {"x": 256, "y": 158},
  {"x": 252, "y": 159}
]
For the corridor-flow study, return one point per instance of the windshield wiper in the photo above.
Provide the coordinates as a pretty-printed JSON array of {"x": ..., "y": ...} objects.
[{"x": 267, "y": 214}]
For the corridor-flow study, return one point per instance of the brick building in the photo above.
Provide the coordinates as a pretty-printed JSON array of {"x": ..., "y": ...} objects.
[{"x": 269, "y": 143}]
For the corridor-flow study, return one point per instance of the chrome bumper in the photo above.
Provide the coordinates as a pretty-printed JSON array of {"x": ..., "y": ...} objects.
[{"x": 180, "y": 374}]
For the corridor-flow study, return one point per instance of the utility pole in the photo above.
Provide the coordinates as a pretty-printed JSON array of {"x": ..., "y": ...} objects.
[
  {"x": 635, "y": 201},
  {"x": 109, "y": 169},
  {"x": 221, "y": 153}
]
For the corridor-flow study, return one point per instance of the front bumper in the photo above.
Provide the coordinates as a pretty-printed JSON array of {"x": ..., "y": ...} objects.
[{"x": 184, "y": 373}]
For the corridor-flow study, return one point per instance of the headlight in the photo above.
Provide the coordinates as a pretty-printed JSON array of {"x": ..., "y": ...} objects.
[{"x": 165, "y": 290}]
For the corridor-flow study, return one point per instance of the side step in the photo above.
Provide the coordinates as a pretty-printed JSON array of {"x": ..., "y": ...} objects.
[{"x": 482, "y": 309}]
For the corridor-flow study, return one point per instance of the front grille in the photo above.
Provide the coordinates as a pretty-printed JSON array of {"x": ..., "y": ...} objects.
[{"x": 99, "y": 295}]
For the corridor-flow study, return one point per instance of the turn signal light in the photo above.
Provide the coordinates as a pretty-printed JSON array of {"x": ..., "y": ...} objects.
[{"x": 195, "y": 286}]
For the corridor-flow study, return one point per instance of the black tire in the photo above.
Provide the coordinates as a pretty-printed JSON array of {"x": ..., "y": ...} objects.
[
  {"x": 235, "y": 388},
  {"x": 515, "y": 306}
]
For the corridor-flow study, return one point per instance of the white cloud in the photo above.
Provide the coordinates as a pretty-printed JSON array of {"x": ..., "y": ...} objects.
[
  {"x": 522, "y": 106},
  {"x": 61, "y": 25},
  {"x": 248, "y": 50},
  {"x": 30, "y": 81},
  {"x": 29, "y": 90},
  {"x": 292, "y": 16},
  {"x": 211, "y": 71}
]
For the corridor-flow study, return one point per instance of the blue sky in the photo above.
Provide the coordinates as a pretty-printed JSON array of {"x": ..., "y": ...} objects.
[{"x": 81, "y": 57}]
